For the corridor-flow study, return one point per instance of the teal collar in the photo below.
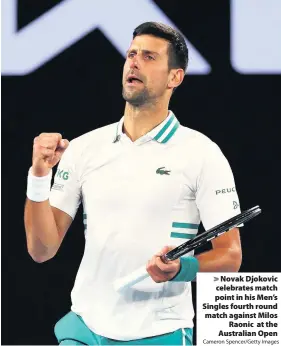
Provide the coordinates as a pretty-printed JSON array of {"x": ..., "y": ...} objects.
[{"x": 162, "y": 133}]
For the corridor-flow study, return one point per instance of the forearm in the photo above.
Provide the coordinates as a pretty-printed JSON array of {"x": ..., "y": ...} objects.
[
  {"x": 220, "y": 260},
  {"x": 41, "y": 230}
]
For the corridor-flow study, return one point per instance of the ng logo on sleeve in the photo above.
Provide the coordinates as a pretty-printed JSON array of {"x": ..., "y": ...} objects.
[{"x": 61, "y": 174}]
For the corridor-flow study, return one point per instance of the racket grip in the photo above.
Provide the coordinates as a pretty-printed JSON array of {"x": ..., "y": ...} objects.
[{"x": 130, "y": 279}]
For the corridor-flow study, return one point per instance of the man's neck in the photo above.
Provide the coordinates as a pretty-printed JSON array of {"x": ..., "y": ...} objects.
[{"x": 140, "y": 121}]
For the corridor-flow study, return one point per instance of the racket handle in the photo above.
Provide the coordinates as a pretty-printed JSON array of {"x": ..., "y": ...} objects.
[{"x": 131, "y": 279}]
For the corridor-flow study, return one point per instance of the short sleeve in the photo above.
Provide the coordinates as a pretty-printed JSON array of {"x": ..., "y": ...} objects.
[
  {"x": 216, "y": 196},
  {"x": 66, "y": 192}
]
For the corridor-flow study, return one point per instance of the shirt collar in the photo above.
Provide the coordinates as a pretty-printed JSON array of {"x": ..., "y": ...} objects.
[{"x": 161, "y": 133}]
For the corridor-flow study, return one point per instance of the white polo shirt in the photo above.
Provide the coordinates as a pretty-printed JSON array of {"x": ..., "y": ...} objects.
[{"x": 138, "y": 197}]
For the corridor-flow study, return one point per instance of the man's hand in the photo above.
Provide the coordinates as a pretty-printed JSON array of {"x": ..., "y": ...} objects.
[
  {"x": 160, "y": 271},
  {"x": 47, "y": 151}
]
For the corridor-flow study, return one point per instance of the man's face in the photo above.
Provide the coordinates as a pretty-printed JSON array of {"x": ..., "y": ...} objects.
[{"x": 145, "y": 73}]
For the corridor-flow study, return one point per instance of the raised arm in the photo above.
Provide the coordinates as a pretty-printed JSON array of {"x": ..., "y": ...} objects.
[{"x": 45, "y": 225}]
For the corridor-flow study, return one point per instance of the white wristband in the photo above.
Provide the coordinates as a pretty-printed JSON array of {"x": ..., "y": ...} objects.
[{"x": 38, "y": 188}]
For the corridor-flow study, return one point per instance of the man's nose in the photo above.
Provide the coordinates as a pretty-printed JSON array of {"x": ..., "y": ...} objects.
[{"x": 134, "y": 62}]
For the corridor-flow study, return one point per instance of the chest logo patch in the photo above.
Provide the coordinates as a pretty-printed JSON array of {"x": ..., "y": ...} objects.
[{"x": 162, "y": 171}]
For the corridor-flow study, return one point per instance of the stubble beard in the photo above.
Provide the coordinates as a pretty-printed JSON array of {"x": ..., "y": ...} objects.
[{"x": 137, "y": 98}]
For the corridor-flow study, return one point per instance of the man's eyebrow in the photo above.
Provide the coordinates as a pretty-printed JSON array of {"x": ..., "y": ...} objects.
[
  {"x": 146, "y": 51},
  {"x": 149, "y": 52}
]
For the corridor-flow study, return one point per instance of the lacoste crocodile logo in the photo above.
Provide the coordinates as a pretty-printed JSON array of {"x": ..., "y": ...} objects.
[{"x": 162, "y": 171}]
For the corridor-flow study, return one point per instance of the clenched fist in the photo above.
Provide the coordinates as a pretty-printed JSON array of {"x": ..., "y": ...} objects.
[{"x": 47, "y": 151}]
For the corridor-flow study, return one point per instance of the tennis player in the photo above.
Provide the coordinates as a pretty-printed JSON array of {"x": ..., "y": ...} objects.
[{"x": 146, "y": 183}]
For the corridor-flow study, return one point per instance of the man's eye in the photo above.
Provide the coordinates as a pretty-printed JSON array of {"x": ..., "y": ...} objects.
[
  {"x": 131, "y": 55},
  {"x": 149, "y": 57}
]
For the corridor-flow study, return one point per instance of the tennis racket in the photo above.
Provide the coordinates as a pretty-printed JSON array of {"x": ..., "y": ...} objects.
[{"x": 200, "y": 240}]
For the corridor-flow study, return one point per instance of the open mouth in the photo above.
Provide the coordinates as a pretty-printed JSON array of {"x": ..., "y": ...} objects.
[{"x": 133, "y": 80}]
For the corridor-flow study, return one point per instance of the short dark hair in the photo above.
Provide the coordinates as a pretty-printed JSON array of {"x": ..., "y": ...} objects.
[{"x": 177, "y": 51}]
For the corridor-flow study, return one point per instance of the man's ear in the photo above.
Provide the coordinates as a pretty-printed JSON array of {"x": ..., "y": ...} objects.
[{"x": 176, "y": 77}]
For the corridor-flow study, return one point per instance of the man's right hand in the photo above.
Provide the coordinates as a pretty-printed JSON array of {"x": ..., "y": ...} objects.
[{"x": 47, "y": 152}]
